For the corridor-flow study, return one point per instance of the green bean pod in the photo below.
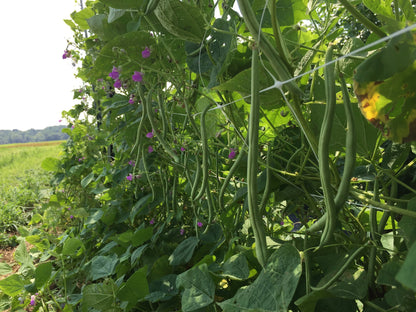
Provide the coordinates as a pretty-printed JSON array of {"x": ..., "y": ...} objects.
[
  {"x": 323, "y": 148},
  {"x": 252, "y": 163},
  {"x": 205, "y": 154}
]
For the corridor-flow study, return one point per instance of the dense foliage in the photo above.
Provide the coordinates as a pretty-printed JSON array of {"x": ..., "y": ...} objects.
[
  {"x": 200, "y": 175},
  {"x": 17, "y": 136}
]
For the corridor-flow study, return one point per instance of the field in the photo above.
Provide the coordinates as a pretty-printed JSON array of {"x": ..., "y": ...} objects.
[
  {"x": 16, "y": 159},
  {"x": 24, "y": 185}
]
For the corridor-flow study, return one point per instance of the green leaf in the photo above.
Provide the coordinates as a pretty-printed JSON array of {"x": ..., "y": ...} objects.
[
  {"x": 393, "y": 58},
  {"x": 124, "y": 4},
  {"x": 163, "y": 289},
  {"x": 274, "y": 287},
  {"x": 43, "y": 274},
  {"x": 103, "y": 266},
  {"x": 73, "y": 247},
  {"x": 407, "y": 9},
  {"x": 100, "y": 297},
  {"x": 388, "y": 272},
  {"x": 87, "y": 180},
  {"x": 382, "y": 8},
  {"x": 407, "y": 273},
  {"x": 41, "y": 243},
  {"x": 12, "y": 285},
  {"x": 290, "y": 12},
  {"x": 136, "y": 287},
  {"x": 199, "y": 288},
  {"x": 351, "y": 285},
  {"x": 22, "y": 256},
  {"x": 236, "y": 267},
  {"x": 5, "y": 268},
  {"x": 181, "y": 19},
  {"x": 184, "y": 251},
  {"x": 115, "y": 14},
  {"x": 141, "y": 235},
  {"x": 50, "y": 164},
  {"x": 135, "y": 255},
  {"x": 133, "y": 43},
  {"x": 80, "y": 18}
]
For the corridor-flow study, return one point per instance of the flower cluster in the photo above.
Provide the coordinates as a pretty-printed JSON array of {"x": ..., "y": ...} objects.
[{"x": 67, "y": 54}]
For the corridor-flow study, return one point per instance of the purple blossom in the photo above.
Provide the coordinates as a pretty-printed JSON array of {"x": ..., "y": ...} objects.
[
  {"x": 114, "y": 74},
  {"x": 71, "y": 216},
  {"x": 152, "y": 221},
  {"x": 182, "y": 231},
  {"x": 131, "y": 99},
  {"x": 66, "y": 54},
  {"x": 132, "y": 163},
  {"x": 150, "y": 134},
  {"x": 146, "y": 52},
  {"x": 199, "y": 224},
  {"x": 150, "y": 149},
  {"x": 117, "y": 84},
  {"x": 129, "y": 177},
  {"x": 232, "y": 153},
  {"x": 32, "y": 300},
  {"x": 182, "y": 149},
  {"x": 138, "y": 76}
]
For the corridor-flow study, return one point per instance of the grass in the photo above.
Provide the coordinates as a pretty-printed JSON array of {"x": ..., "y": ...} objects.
[
  {"x": 24, "y": 185},
  {"x": 17, "y": 159}
]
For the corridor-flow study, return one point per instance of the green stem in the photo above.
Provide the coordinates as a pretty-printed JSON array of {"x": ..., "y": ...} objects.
[{"x": 341, "y": 270}]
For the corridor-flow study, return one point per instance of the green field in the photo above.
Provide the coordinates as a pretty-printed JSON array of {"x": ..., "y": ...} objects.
[
  {"x": 17, "y": 159},
  {"x": 24, "y": 185}
]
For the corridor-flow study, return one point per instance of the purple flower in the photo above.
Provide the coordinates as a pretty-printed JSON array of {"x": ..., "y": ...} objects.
[
  {"x": 146, "y": 52},
  {"x": 129, "y": 177},
  {"x": 132, "y": 163},
  {"x": 114, "y": 74},
  {"x": 150, "y": 134},
  {"x": 131, "y": 99},
  {"x": 152, "y": 221},
  {"x": 199, "y": 224},
  {"x": 66, "y": 54},
  {"x": 150, "y": 149},
  {"x": 117, "y": 84},
  {"x": 182, "y": 231},
  {"x": 182, "y": 149},
  {"x": 232, "y": 153},
  {"x": 71, "y": 216},
  {"x": 60, "y": 120},
  {"x": 138, "y": 76},
  {"x": 32, "y": 300}
]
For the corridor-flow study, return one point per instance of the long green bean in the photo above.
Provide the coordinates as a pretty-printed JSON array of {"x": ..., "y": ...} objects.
[
  {"x": 252, "y": 164},
  {"x": 323, "y": 148}
]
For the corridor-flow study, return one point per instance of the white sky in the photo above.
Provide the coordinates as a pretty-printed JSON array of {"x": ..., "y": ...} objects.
[{"x": 36, "y": 83}]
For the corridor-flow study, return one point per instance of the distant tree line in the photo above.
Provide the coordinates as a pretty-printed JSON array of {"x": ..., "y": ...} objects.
[{"x": 17, "y": 136}]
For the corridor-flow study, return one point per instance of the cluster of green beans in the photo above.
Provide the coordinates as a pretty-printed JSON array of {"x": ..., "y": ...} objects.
[{"x": 333, "y": 204}]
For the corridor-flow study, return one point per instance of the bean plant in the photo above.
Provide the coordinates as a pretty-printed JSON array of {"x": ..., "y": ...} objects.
[{"x": 232, "y": 156}]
